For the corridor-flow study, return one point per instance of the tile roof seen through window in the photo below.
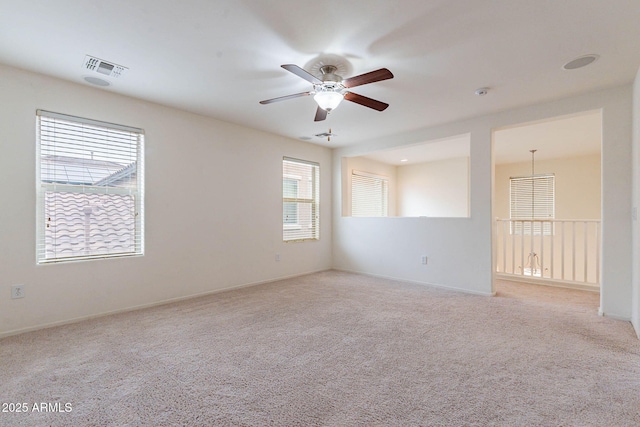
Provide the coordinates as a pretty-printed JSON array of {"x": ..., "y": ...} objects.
[
  {"x": 77, "y": 171},
  {"x": 80, "y": 223}
]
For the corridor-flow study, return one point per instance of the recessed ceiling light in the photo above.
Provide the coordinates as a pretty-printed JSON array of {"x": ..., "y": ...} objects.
[
  {"x": 581, "y": 61},
  {"x": 404, "y": 160},
  {"x": 97, "y": 81}
]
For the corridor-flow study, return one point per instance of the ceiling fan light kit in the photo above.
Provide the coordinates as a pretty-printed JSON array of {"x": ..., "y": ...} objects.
[
  {"x": 328, "y": 100},
  {"x": 332, "y": 89}
]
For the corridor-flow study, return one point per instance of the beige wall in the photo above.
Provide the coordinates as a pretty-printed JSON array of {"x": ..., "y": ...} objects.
[
  {"x": 577, "y": 179},
  {"x": 349, "y": 164},
  {"x": 434, "y": 189},
  {"x": 578, "y": 195}
]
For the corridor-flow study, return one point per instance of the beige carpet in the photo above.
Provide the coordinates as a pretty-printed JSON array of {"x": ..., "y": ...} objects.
[{"x": 333, "y": 349}]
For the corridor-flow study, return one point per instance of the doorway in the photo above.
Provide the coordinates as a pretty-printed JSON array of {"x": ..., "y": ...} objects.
[{"x": 548, "y": 204}]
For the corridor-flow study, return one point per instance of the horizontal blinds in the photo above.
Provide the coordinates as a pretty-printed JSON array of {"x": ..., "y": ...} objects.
[
  {"x": 533, "y": 198},
  {"x": 369, "y": 195},
  {"x": 77, "y": 153},
  {"x": 300, "y": 200},
  {"x": 90, "y": 196},
  {"x": 97, "y": 123}
]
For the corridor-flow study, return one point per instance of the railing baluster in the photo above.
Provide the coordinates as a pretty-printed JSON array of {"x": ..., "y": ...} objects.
[
  {"x": 513, "y": 247},
  {"x": 563, "y": 251},
  {"x": 598, "y": 253},
  {"x": 584, "y": 227},
  {"x": 542, "y": 223},
  {"x": 496, "y": 228},
  {"x": 573, "y": 251},
  {"x": 552, "y": 241},
  {"x": 522, "y": 248},
  {"x": 531, "y": 248},
  {"x": 504, "y": 246}
]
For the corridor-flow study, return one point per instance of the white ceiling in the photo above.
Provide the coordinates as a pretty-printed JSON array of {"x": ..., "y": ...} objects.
[
  {"x": 576, "y": 135},
  {"x": 220, "y": 57},
  {"x": 442, "y": 149}
]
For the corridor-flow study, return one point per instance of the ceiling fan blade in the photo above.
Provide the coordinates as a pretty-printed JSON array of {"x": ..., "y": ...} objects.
[
  {"x": 363, "y": 79},
  {"x": 302, "y": 73},
  {"x": 320, "y": 115},
  {"x": 367, "y": 102},
  {"x": 283, "y": 98}
]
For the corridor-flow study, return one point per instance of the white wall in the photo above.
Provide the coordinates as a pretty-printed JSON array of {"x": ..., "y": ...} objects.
[
  {"x": 460, "y": 249},
  {"x": 213, "y": 208},
  {"x": 434, "y": 189},
  {"x": 636, "y": 205},
  {"x": 206, "y": 236}
]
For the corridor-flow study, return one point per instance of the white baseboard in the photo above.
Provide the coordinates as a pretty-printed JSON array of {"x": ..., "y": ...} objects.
[
  {"x": 153, "y": 304},
  {"x": 416, "y": 282},
  {"x": 614, "y": 316},
  {"x": 549, "y": 282}
]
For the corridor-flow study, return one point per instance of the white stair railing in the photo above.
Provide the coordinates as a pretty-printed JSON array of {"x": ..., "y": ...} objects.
[{"x": 553, "y": 250}]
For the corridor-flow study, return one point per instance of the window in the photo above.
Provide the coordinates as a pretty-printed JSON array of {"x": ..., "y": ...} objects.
[
  {"x": 90, "y": 189},
  {"x": 369, "y": 194},
  {"x": 300, "y": 200},
  {"x": 290, "y": 191},
  {"x": 532, "y": 198}
]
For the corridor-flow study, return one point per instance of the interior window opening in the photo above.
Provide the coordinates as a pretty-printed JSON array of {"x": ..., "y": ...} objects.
[{"x": 430, "y": 179}]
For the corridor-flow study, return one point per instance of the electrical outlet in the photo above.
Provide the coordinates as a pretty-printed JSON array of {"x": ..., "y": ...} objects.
[
  {"x": 277, "y": 257},
  {"x": 424, "y": 259},
  {"x": 17, "y": 291}
]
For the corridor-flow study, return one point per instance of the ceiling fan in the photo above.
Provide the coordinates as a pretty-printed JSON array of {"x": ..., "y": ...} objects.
[{"x": 332, "y": 89}]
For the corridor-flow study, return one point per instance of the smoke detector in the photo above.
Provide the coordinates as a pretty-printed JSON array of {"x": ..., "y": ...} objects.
[{"x": 103, "y": 67}]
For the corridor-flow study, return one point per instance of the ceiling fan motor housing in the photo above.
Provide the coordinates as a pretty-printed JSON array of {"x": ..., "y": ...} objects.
[
  {"x": 331, "y": 82},
  {"x": 328, "y": 74}
]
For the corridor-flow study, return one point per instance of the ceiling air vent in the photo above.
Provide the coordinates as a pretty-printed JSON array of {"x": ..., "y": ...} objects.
[{"x": 103, "y": 67}]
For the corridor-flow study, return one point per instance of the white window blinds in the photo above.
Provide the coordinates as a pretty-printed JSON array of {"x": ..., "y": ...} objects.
[
  {"x": 90, "y": 189},
  {"x": 300, "y": 200},
  {"x": 532, "y": 198},
  {"x": 369, "y": 194}
]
